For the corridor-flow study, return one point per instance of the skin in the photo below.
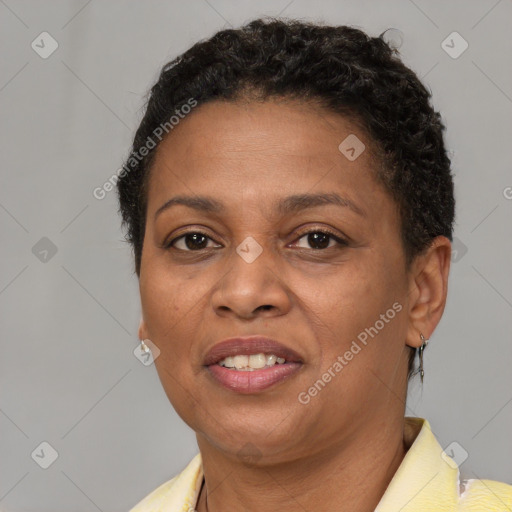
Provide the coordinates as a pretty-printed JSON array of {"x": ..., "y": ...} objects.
[{"x": 349, "y": 437}]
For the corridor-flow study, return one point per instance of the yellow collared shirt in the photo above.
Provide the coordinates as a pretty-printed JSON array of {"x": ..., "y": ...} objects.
[{"x": 427, "y": 480}]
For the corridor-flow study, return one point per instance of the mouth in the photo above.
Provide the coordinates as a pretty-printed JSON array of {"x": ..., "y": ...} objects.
[{"x": 251, "y": 364}]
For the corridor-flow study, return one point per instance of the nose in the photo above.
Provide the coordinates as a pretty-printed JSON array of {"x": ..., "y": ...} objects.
[{"x": 252, "y": 287}]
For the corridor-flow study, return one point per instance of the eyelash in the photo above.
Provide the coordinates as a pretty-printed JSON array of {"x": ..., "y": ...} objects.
[{"x": 341, "y": 242}]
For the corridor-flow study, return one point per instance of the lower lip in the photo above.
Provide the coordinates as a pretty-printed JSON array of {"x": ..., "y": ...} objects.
[{"x": 255, "y": 380}]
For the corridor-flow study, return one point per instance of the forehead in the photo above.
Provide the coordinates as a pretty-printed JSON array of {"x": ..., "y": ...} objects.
[
  {"x": 282, "y": 126},
  {"x": 260, "y": 149}
]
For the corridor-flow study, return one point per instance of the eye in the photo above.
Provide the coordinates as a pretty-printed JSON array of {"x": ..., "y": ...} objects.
[
  {"x": 194, "y": 241},
  {"x": 320, "y": 239},
  {"x": 190, "y": 242}
]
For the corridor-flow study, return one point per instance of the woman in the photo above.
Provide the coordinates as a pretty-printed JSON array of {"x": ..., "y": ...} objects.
[{"x": 290, "y": 205}]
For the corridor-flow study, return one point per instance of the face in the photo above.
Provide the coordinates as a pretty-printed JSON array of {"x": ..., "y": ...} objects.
[{"x": 326, "y": 280}]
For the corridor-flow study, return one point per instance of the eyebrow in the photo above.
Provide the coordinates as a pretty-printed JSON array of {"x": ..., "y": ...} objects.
[{"x": 288, "y": 205}]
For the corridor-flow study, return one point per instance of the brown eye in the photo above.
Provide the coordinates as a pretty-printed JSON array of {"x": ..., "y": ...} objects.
[
  {"x": 191, "y": 241},
  {"x": 320, "y": 239}
]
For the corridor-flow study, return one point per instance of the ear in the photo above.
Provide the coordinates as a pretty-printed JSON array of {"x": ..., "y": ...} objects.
[
  {"x": 428, "y": 287},
  {"x": 142, "y": 330}
]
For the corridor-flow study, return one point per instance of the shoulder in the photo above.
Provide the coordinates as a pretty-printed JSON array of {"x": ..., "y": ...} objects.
[
  {"x": 488, "y": 495},
  {"x": 429, "y": 480}
]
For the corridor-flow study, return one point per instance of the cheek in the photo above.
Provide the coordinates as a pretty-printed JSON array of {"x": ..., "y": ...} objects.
[
  {"x": 358, "y": 295},
  {"x": 164, "y": 285},
  {"x": 167, "y": 304},
  {"x": 353, "y": 295}
]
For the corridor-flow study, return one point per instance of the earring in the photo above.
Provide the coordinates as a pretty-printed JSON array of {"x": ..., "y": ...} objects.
[
  {"x": 421, "y": 349},
  {"x": 144, "y": 347}
]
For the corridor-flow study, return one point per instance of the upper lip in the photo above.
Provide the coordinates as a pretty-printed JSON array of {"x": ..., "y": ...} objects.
[{"x": 248, "y": 345}]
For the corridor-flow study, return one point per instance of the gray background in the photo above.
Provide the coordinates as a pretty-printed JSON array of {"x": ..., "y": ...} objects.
[{"x": 69, "y": 320}]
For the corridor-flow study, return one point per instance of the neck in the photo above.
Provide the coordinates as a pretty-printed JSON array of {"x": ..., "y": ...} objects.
[{"x": 358, "y": 472}]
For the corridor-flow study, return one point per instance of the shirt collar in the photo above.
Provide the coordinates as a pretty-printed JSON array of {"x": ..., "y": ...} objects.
[{"x": 426, "y": 476}]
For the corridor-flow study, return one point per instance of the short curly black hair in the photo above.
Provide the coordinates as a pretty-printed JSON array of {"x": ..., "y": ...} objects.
[{"x": 340, "y": 68}]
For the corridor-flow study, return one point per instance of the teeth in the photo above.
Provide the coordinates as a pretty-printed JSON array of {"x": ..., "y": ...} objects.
[
  {"x": 257, "y": 361},
  {"x": 229, "y": 362},
  {"x": 252, "y": 362},
  {"x": 241, "y": 362}
]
